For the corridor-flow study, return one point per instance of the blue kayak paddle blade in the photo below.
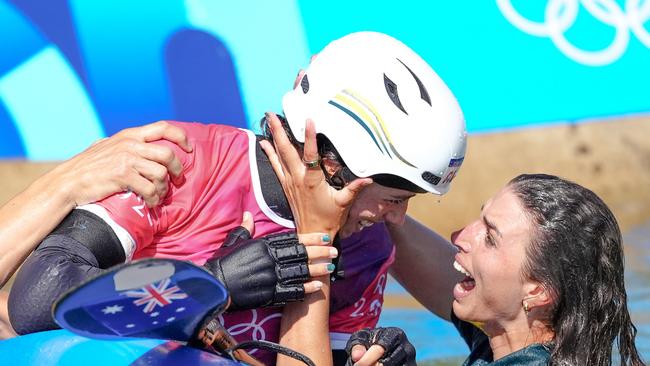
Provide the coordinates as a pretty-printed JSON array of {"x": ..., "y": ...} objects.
[{"x": 150, "y": 298}]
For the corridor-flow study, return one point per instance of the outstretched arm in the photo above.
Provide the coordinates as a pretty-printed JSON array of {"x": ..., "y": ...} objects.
[
  {"x": 123, "y": 161},
  {"x": 424, "y": 265}
]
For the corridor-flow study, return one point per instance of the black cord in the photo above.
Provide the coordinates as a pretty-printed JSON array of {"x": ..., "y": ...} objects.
[{"x": 274, "y": 347}]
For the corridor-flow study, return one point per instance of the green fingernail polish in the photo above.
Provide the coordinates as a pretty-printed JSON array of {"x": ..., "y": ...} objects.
[
  {"x": 326, "y": 238},
  {"x": 330, "y": 267}
]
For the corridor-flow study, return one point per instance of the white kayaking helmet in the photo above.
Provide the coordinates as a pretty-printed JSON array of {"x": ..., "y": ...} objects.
[{"x": 385, "y": 110}]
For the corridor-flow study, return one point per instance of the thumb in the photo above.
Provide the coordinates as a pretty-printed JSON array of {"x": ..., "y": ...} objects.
[
  {"x": 248, "y": 223},
  {"x": 346, "y": 196},
  {"x": 357, "y": 352},
  {"x": 242, "y": 232}
]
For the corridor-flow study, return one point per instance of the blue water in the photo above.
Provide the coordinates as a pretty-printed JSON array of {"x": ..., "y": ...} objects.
[
  {"x": 431, "y": 336},
  {"x": 637, "y": 280},
  {"x": 435, "y": 338}
]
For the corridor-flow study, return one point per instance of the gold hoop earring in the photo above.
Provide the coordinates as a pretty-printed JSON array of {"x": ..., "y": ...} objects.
[{"x": 526, "y": 308}]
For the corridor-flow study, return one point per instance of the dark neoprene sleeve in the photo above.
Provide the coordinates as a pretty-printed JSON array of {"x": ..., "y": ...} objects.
[{"x": 80, "y": 247}]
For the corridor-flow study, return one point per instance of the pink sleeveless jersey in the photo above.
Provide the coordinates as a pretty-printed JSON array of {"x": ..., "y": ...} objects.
[{"x": 221, "y": 182}]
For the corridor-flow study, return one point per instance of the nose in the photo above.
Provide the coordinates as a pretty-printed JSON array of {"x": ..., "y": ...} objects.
[
  {"x": 455, "y": 234},
  {"x": 461, "y": 239},
  {"x": 395, "y": 214}
]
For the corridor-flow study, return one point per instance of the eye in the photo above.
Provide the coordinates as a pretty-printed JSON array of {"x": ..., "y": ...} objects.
[
  {"x": 489, "y": 240},
  {"x": 395, "y": 201}
]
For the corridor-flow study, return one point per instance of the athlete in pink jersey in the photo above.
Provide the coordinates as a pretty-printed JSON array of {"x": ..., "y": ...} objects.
[
  {"x": 408, "y": 143},
  {"x": 391, "y": 118},
  {"x": 223, "y": 181}
]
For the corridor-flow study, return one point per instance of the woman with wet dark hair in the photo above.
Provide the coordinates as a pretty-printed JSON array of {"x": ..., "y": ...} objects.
[
  {"x": 576, "y": 253},
  {"x": 538, "y": 280}
]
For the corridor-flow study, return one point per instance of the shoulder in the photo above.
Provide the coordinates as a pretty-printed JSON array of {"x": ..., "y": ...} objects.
[
  {"x": 209, "y": 141},
  {"x": 202, "y": 132}
]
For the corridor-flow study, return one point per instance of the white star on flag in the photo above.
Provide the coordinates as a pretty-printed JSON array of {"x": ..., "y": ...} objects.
[{"x": 113, "y": 309}]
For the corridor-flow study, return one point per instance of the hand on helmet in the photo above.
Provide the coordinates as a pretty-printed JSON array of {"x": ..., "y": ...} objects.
[
  {"x": 271, "y": 270},
  {"x": 388, "y": 346},
  {"x": 316, "y": 206}
]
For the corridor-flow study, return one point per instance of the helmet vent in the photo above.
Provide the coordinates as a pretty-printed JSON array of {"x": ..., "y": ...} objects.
[
  {"x": 391, "y": 89},
  {"x": 304, "y": 84},
  {"x": 430, "y": 178},
  {"x": 423, "y": 91}
]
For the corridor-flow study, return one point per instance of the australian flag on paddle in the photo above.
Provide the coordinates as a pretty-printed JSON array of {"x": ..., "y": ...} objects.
[{"x": 158, "y": 304}]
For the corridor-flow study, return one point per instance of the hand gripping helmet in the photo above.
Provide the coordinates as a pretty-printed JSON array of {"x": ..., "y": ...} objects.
[{"x": 385, "y": 110}]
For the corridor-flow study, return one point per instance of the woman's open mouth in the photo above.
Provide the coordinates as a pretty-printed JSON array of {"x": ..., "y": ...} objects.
[{"x": 466, "y": 285}]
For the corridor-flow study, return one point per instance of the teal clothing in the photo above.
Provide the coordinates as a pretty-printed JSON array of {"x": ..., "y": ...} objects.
[{"x": 481, "y": 353}]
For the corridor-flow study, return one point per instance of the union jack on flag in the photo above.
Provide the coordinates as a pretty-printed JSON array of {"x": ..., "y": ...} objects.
[{"x": 156, "y": 295}]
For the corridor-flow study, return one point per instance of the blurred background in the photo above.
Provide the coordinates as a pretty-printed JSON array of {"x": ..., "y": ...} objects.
[{"x": 558, "y": 86}]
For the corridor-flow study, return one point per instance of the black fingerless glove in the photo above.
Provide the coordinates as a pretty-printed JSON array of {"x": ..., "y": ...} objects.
[
  {"x": 269, "y": 271},
  {"x": 399, "y": 351}
]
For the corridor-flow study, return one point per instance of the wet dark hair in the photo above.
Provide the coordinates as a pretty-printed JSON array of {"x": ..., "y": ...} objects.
[
  {"x": 266, "y": 131},
  {"x": 576, "y": 253}
]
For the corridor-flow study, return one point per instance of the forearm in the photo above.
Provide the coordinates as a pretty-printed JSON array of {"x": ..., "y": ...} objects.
[
  {"x": 305, "y": 328},
  {"x": 59, "y": 264},
  {"x": 424, "y": 265},
  {"x": 83, "y": 245},
  {"x": 29, "y": 217}
]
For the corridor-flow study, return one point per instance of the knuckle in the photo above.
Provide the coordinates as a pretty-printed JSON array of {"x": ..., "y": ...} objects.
[
  {"x": 125, "y": 132},
  {"x": 162, "y": 123},
  {"x": 160, "y": 173},
  {"x": 167, "y": 154},
  {"x": 162, "y": 126},
  {"x": 159, "y": 182},
  {"x": 128, "y": 144},
  {"x": 149, "y": 190}
]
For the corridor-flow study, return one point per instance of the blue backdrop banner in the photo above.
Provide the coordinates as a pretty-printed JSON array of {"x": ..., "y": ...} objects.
[{"x": 73, "y": 71}]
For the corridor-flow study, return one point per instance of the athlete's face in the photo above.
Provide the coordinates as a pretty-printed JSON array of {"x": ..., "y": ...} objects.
[
  {"x": 376, "y": 203},
  {"x": 491, "y": 254}
]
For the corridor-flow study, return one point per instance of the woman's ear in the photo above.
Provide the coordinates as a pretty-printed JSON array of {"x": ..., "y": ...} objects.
[{"x": 537, "y": 295}]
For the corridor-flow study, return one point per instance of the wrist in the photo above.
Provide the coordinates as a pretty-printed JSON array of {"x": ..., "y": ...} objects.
[
  {"x": 303, "y": 227},
  {"x": 54, "y": 188},
  {"x": 58, "y": 185}
]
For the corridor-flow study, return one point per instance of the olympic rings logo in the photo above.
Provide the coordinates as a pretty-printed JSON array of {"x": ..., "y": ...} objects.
[
  {"x": 560, "y": 15},
  {"x": 257, "y": 329}
]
